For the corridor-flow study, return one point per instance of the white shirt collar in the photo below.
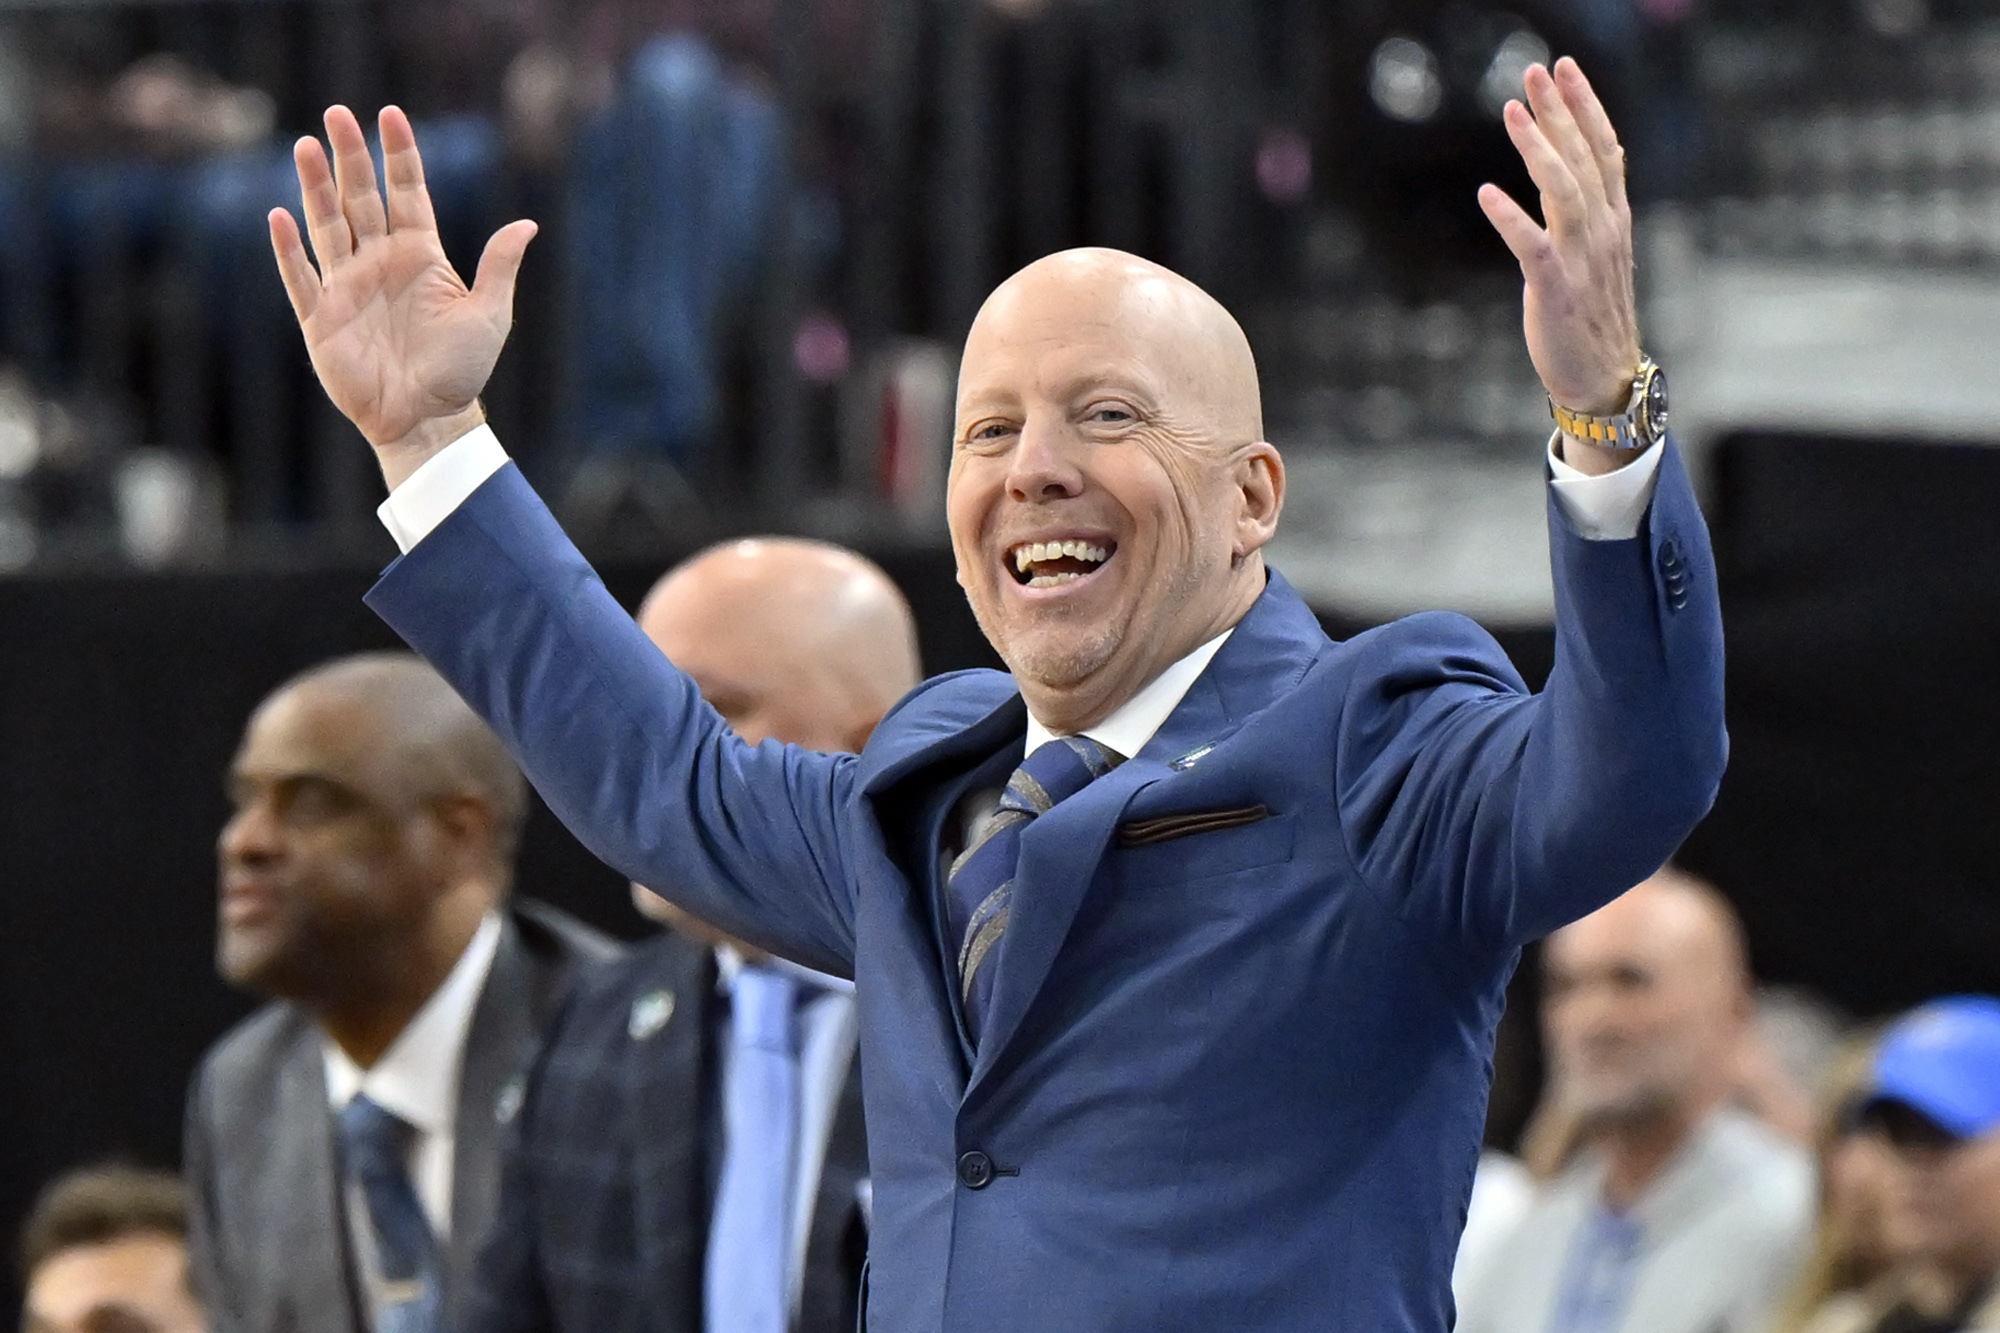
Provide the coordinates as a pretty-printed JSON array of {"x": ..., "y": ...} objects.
[
  {"x": 417, "y": 1077},
  {"x": 1134, "y": 722}
]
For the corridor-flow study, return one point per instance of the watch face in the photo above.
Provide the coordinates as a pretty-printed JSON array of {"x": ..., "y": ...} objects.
[{"x": 1656, "y": 402}]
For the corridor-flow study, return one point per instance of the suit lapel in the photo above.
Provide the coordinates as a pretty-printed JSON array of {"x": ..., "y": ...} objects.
[
  {"x": 666, "y": 1111},
  {"x": 497, "y": 1047},
  {"x": 1270, "y": 651},
  {"x": 318, "y": 1259},
  {"x": 914, "y": 800},
  {"x": 1059, "y": 855}
]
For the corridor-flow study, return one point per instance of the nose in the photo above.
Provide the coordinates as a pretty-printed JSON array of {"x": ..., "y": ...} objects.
[
  {"x": 1044, "y": 465},
  {"x": 249, "y": 839}
]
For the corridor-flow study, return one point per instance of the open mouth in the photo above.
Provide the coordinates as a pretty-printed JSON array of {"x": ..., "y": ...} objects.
[{"x": 1052, "y": 564}]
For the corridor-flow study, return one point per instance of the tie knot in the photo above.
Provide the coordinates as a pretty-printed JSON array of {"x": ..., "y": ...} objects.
[
  {"x": 763, "y": 999},
  {"x": 375, "y": 1137},
  {"x": 1057, "y": 771}
]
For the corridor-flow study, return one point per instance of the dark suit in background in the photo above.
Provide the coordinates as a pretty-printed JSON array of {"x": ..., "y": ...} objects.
[
  {"x": 607, "y": 1177},
  {"x": 269, "y": 1244}
]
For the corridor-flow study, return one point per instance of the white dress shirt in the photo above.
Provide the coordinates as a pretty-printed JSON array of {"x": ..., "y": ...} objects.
[{"x": 417, "y": 1077}]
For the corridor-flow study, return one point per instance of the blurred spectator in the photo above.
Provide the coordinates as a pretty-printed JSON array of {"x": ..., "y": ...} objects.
[
  {"x": 105, "y": 1251},
  {"x": 1682, "y": 1213},
  {"x": 1503, "y": 1190},
  {"x": 673, "y": 190},
  {"x": 1932, "y": 1103},
  {"x": 1863, "y": 1261},
  {"x": 342, "y": 1143},
  {"x": 690, "y": 1153}
]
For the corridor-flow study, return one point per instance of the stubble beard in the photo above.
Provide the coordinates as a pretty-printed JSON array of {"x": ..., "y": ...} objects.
[{"x": 1045, "y": 655}]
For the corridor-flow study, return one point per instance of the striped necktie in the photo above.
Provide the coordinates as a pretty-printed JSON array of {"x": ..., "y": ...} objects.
[
  {"x": 980, "y": 883},
  {"x": 373, "y": 1143}
]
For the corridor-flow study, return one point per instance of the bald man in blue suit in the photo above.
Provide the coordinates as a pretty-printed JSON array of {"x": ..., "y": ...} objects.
[{"x": 1179, "y": 946}]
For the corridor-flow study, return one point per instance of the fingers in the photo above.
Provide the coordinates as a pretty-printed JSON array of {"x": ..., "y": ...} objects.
[
  {"x": 1529, "y": 242},
  {"x": 1597, "y": 130},
  {"x": 1559, "y": 128},
  {"x": 354, "y": 174},
  {"x": 301, "y": 282},
  {"x": 499, "y": 266},
  {"x": 403, "y": 167},
  {"x": 1563, "y": 206},
  {"x": 331, "y": 240}
]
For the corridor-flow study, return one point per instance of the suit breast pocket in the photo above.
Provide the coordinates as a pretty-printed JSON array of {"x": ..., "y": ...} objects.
[{"x": 1189, "y": 845}]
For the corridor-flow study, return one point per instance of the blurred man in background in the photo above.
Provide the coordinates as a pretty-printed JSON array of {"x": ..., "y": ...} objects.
[
  {"x": 1683, "y": 1214},
  {"x": 342, "y": 1143},
  {"x": 1933, "y": 1097},
  {"x": 690, "y": 1155},
  {"x": 105, "y": 1251}
]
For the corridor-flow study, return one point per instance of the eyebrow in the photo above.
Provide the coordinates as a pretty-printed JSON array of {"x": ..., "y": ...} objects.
[{"x": 984, "y": 400}]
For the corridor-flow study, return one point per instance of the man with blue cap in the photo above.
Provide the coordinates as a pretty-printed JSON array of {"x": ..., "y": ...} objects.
[{"x": 1933, "y": 1094}]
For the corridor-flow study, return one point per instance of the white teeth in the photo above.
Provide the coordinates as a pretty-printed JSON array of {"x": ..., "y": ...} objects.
[
  {"x": 1052, "y": 580},
  {"x": 1030, "y": 553}
]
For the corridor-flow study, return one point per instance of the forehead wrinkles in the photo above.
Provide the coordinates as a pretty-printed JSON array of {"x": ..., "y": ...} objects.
[{"x": 1068, "y": 372}]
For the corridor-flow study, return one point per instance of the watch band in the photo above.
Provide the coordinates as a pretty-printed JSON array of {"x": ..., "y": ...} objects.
[{"x": 1634, "y": 428}]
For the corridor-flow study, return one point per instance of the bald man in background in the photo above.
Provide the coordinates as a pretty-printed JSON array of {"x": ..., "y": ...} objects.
[
  {"x": 1180, "y": 944},
  {"x": 680, "y": 1165},
  {"x": 1682, "y": 1213},
  {"x": 342, "y": 1150}
]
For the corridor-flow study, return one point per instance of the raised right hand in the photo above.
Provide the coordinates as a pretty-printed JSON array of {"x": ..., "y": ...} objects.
[{"x": 400, "y": 343}]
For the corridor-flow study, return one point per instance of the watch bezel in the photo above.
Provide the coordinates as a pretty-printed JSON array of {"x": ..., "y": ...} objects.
[{"x": 1650, "y": 405}]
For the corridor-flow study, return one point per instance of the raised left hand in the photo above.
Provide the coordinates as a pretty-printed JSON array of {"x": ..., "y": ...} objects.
[{"x": 1580, "y": 312}]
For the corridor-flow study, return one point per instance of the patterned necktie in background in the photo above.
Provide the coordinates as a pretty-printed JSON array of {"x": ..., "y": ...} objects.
[
  {"x": 980, "y": 884},
  {"x": 749, "y": 1237},
  {"x": 374, "y": 1144}
]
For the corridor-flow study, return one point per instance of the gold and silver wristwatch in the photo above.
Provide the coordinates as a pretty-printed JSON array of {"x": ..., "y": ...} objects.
[{"x": 1639, "y": 426}]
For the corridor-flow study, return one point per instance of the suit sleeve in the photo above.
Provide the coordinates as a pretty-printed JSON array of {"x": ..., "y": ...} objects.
[
  {"x": 1497, "y": 816},
  {"x": 620, "y": 744}
]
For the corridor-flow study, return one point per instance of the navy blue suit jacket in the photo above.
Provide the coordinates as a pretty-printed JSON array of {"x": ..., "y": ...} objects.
[{"x": 1238, "y": 1051}]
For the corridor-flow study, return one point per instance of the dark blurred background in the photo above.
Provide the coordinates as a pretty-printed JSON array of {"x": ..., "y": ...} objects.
[{"x": 766, "y": 223}]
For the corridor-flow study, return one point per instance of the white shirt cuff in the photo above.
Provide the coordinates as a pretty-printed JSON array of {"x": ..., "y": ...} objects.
[
  {"x": 446, "y": 480},
  {"x": 1605, "y": 508}
]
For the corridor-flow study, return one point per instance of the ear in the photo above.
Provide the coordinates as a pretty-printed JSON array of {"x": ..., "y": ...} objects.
[
  {"x": 1260, "y": 481},
  {"x": 466, "y": 826}
]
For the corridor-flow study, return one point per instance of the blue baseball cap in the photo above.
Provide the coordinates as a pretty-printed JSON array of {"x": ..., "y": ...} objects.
[{"x": 1942, "y": 1060}]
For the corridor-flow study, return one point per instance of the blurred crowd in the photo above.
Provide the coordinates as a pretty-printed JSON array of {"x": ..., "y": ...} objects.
[{"x": 460, "y": 1108}]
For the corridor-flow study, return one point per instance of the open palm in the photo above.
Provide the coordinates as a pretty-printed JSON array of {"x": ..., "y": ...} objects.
[
  {"x": 1580, "y": 312},
  {"x": 400, "y": 343}
]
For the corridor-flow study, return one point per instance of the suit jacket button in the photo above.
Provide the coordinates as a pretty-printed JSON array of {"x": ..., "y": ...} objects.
[
  {"x": 1670, "y": 555},
  {"x": 975, "y": 1170}
]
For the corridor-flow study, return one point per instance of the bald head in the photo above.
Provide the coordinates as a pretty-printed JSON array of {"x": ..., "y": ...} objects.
[
  {"x": 1111, "y": 490},
  {"x": 1647, "y": 1000},
  {"x": 799, "y": 641},
  {"x": 1183, "y": 336}
]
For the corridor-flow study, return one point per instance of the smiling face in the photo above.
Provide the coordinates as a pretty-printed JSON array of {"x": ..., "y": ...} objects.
[
  {"x": 327, "y": 857},
  {"x": 1110, "y": 489}
]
